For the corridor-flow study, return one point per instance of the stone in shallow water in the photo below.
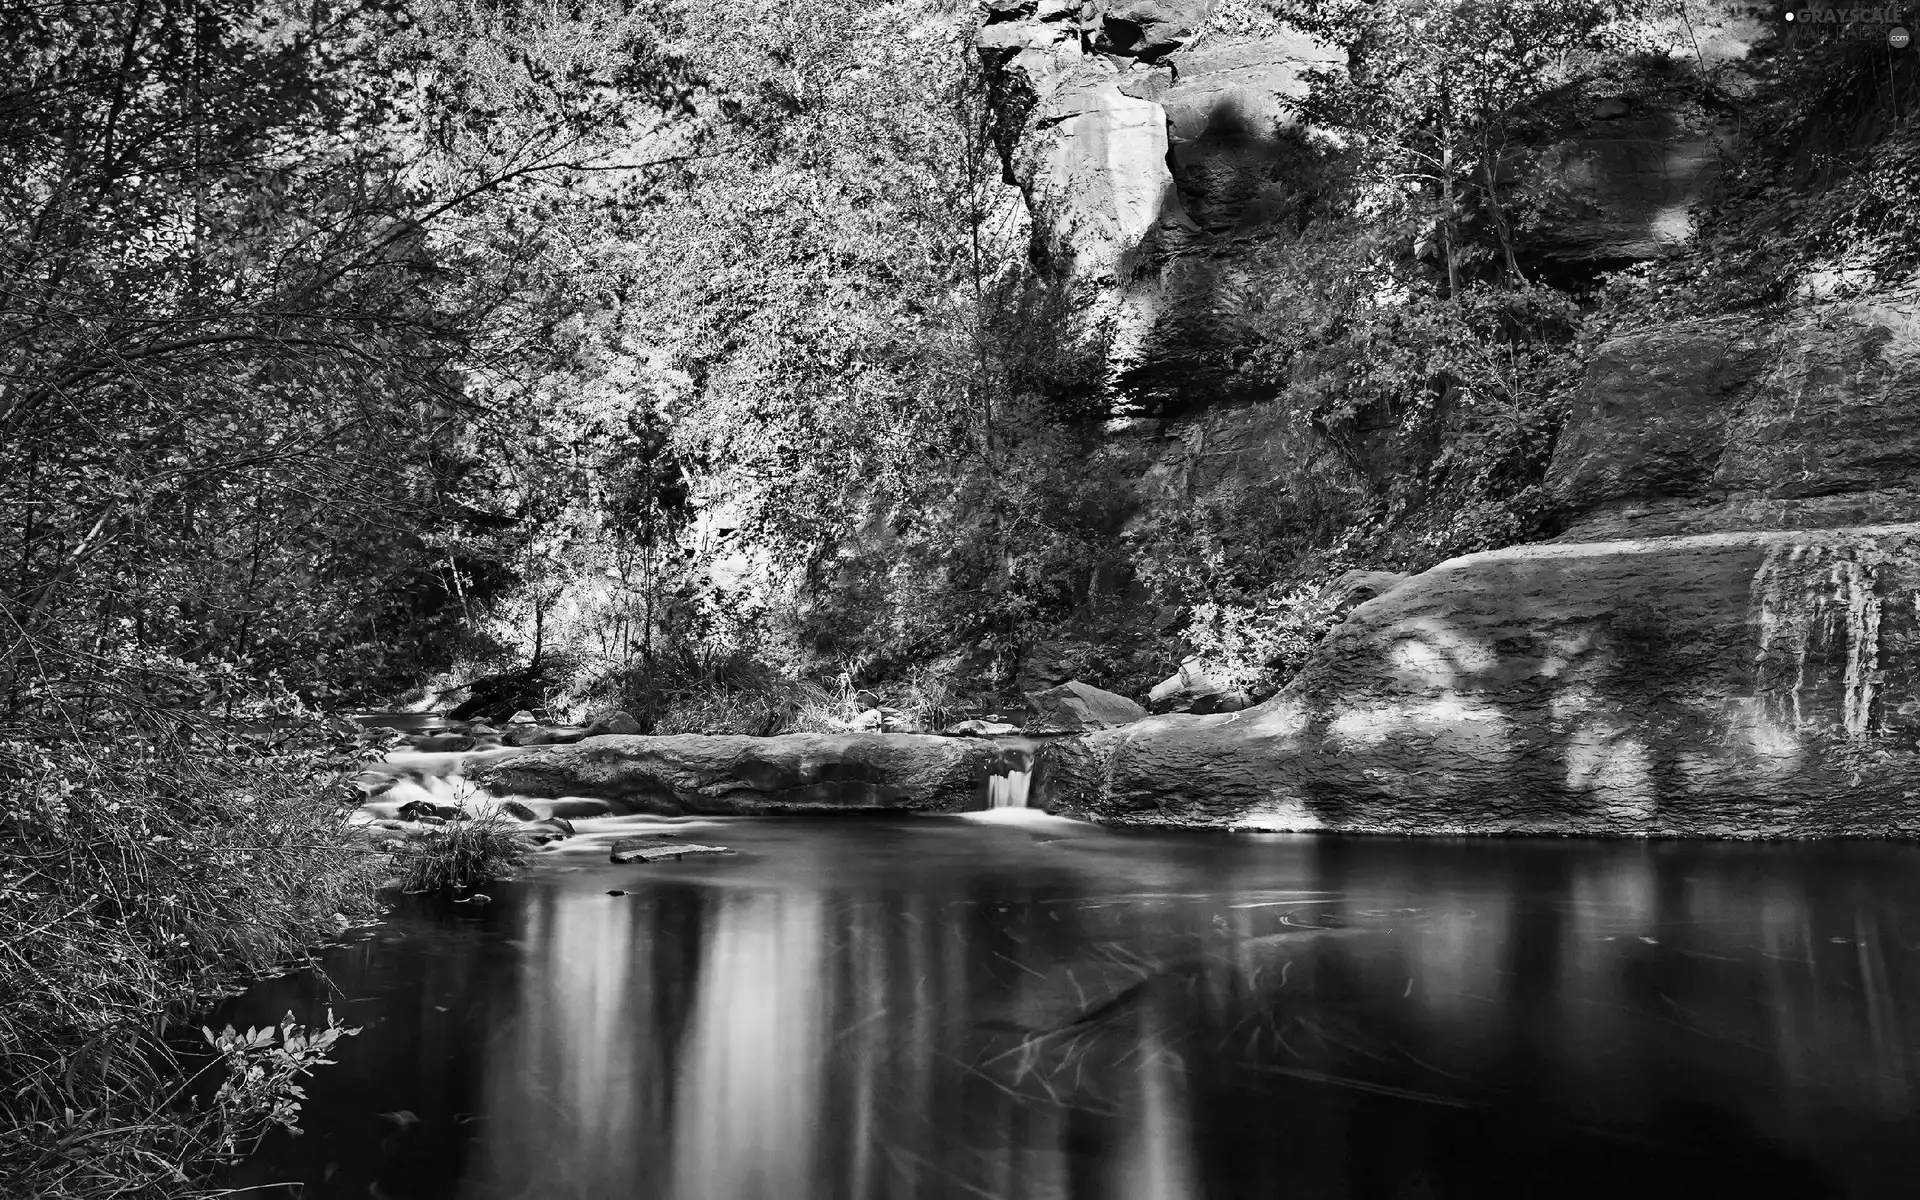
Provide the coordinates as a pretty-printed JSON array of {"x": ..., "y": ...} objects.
[
  {"x": 441, "y": 742},
  {"x": 427, "y": 810},
  {"x": 980, "y": 728},
  {"x": 529, "y": 735},
  {"x": 545, "y": 832},
  {"x": 631, "y": 850}
]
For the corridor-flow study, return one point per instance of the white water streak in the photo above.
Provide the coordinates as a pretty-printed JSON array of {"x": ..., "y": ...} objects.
[
  {"x": 1806, "y": 602},
  {"x": 1009, "y": 790}
]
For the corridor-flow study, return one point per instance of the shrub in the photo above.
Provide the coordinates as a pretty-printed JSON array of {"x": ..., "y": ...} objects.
[{"x": 1258, "y": 647}]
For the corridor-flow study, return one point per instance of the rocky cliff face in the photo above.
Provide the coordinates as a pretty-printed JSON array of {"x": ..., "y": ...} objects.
[
  {"x": 1160, "y": 157},
  {"x": 1155, "y": 148},
  {"x": 1148, "y": 148},
  {"x": 1741, "y": 423},
  {"x": 1723, "y": 642}
]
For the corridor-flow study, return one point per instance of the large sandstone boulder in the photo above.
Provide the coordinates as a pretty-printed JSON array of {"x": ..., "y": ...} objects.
[
  {"x": 1075, "y": 707},
  {"x": 1728, "y": 684},
  {"x": 736, "y": 774}
]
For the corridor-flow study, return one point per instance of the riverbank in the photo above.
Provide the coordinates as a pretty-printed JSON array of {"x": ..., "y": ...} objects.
[{"x": 140, "y": 880}]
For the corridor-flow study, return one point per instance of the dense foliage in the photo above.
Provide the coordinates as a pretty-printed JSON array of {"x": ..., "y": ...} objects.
[
  {"x": 136, "y": 884},
  {"x": 262, "y": 272}
]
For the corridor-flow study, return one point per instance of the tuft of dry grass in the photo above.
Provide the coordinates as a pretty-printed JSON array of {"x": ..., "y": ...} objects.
[{"x": 461, "y": 854}]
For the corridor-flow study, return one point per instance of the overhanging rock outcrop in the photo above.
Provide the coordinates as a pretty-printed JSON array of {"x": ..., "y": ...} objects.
[{"x": 791, "y": 773}]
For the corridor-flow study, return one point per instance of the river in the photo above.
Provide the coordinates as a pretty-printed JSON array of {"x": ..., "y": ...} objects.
[{"x": 1016, "y": 1006}]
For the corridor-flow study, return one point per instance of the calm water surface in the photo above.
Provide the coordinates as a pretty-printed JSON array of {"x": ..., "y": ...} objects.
[{"x": 948, "y": 1007}]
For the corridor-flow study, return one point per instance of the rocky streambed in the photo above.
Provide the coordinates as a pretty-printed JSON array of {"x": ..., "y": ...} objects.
[{"x": 562, "y": 775}]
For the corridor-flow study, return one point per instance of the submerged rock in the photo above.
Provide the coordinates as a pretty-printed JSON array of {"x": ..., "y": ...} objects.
[
  {"x": 540, "y": 833},
  {"x": 632, "y": 850},
  {"x": 574, "y": 808},
  {"x": 1074, "y": 707},
  {"x": 724, "y": 774},
  {"x": 441, "y": 742},
  {"x": 980, "y": 729}
]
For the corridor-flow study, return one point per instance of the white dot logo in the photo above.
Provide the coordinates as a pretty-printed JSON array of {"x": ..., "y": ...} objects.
[
  {"x": 1789, "y": 18},
  {"x": 1898, "y": 38}
]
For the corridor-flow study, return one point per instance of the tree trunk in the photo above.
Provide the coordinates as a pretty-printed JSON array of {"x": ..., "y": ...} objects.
[
  {"x": 1448, "y": 211},
  {"x": 1500, "y": 225}
]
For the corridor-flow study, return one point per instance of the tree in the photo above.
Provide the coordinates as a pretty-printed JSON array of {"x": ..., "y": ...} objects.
[
  {"x": 259, "y": 269},
  {"x": 1435, "y": 92}
]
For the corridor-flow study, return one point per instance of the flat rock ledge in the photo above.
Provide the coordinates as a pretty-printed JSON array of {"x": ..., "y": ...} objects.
[
  {"x": 1739, "y": 685},
  {"x": 719, "y": 775}
]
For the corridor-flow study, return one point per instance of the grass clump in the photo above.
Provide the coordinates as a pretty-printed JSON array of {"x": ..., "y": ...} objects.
[
  {"x": 141, "y": 875},
  {"x": 460, "y": 855}
]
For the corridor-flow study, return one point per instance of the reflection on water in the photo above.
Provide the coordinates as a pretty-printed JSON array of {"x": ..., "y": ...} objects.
[{"x": 1037, "y": 1011}]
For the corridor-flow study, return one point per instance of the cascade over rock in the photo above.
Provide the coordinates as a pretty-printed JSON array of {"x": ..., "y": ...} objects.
[{"x": 1723, "y": 642}]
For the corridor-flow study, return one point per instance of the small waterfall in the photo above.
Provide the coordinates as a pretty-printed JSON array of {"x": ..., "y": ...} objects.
[{"x": 1010, "y": 790}]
